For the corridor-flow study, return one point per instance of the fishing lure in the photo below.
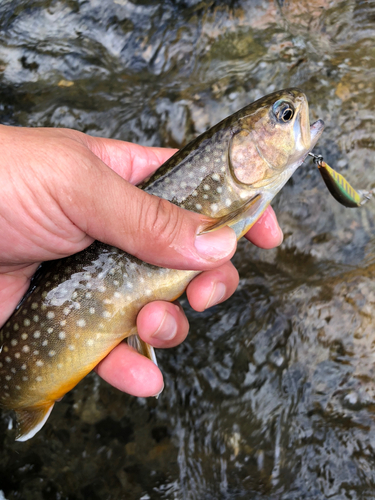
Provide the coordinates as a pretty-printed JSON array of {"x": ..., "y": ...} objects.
[{"x": 339, "y": 187}]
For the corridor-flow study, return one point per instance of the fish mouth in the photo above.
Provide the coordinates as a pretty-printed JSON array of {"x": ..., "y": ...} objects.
[{"x": 316, "y": 130}]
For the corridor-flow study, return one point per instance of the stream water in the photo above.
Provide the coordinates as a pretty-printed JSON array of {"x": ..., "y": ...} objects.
[{"x": 272, "y": 396}]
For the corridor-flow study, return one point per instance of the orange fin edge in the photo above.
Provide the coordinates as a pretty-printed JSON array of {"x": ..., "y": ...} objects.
[{"x": 31, "y": 420}]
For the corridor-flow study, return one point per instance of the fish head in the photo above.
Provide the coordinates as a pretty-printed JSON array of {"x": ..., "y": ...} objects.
[{"x": 272, "y": 139}]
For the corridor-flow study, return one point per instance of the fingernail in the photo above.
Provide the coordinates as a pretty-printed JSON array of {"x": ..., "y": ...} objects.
[
  {"x": 217, "y": 244},
  {"x": 167, "y": 329},
  {"x": 217, "y": 295}
]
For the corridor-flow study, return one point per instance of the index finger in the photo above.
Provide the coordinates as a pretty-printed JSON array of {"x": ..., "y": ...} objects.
[{"x": 131, "y": 161}]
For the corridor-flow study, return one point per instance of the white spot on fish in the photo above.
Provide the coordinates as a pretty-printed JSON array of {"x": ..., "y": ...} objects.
[
  {"x": 18, "y": 387},
  {"x": 88, "y": 295},
  {"x": 17, "y": 355},
  {"x": 39, "y": 362},
  {"x": 24, "y": 336},
  {"x": 62, "y": 335},
  {"x": 51, "y": 353},
  {"x": 77, "y": 305},
  {"x": 214, "y": 207},
  {"x": 8, "y": 377},
  {"x": 106, "y": 314},
  {"x": 206, "y": 187},
  {"x": 219, "y": 189},
  {"x": 183, "y": 185},
  {"x": 116, "y": 283},
  {"x": 66, "y": 311},
  {"x": 49, "y": 330},
  {"x": 74, "y": 295},
  {"x": 25, "y": 378},
  {"x": 36, "y": 334},
  {"x": 228, "y": 202},
  {"x": 90, "y": 342},
  {"x": 101, "y": 288},
  {"x": 34, "y": 305},
  {"x": 194, "y": 193},
  {"x": 50, "y": 315},
  {"x": 59, "y": 366},
  {"x": 243, "y": 195},
  {"x": 198, "y": 206},
  {"x": 44, "y": 343},
  {"x": 14, "y": 342},
  {"x": 215, "y": 177},
  {"x": 35, "y": 318},
  {"x": 16, "y": 327},
  {"x": 26, "y": 322},
  {"x": 92, "y": 310},
  {"x": 81, "y": 323},
  {"x": 39, "y": 379},
  {"x": 148, "y": 292},
  {"x": 63, "y": 322},
  {"x": 117, "y": 295},
  {"x": 23, "y": 367},
  {"x": 36, "y": 353},
  {"x": 71, "y": 347}
]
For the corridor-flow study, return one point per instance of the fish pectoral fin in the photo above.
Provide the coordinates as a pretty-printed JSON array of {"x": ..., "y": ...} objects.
[
  {"x": 31, "y": 420},
  {"x": 233, "y": 217}
]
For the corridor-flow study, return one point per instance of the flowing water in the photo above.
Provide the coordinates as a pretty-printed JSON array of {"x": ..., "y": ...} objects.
[{"x": 272, "y": 396}]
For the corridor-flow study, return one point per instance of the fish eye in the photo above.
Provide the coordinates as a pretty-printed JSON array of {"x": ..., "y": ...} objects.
[{"x": 283, "y": 111}]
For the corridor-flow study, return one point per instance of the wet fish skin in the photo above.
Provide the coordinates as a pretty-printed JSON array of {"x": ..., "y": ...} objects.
[{"x": 79, "y": 308}]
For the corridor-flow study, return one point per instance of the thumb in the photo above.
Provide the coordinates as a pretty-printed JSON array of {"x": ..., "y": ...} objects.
[{"x": 110, "y": 209}]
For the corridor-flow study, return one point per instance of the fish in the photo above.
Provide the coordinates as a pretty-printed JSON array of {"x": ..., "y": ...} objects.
[
  {"x": 339, "y": 187},
  {"x": 79, "y": 308}
]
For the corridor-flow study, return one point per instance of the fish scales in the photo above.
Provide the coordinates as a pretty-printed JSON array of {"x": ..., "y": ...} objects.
[{"x": 79, "y": 308}]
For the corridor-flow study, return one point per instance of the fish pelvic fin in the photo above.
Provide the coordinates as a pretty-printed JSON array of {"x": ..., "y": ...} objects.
[
  {"x": 142, "y": 347},
  {"x": 31, "y": 420}
]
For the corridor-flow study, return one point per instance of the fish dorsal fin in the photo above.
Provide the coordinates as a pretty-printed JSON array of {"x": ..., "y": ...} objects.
[
  {"x": 31, "y": 420},
  {"x": 233, "y": 217}
]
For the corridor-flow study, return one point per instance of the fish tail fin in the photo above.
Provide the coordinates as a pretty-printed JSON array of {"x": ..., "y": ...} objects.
[
  {"x": 31, "y": 420},
  {"x": 142, "y": 347}
]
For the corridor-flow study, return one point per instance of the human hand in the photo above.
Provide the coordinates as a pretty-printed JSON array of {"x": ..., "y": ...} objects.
[{"x": 60, "y": 191}]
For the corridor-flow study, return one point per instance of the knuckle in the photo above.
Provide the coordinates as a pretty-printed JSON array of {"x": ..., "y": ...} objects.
[{"x": 162, "y": 219}]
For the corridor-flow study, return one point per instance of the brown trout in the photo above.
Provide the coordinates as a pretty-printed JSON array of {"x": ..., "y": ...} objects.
[{"x": 79, "y": 308}]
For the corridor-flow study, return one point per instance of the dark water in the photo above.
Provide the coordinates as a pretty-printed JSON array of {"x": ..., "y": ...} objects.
[{"x": 272, "y": 396}]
